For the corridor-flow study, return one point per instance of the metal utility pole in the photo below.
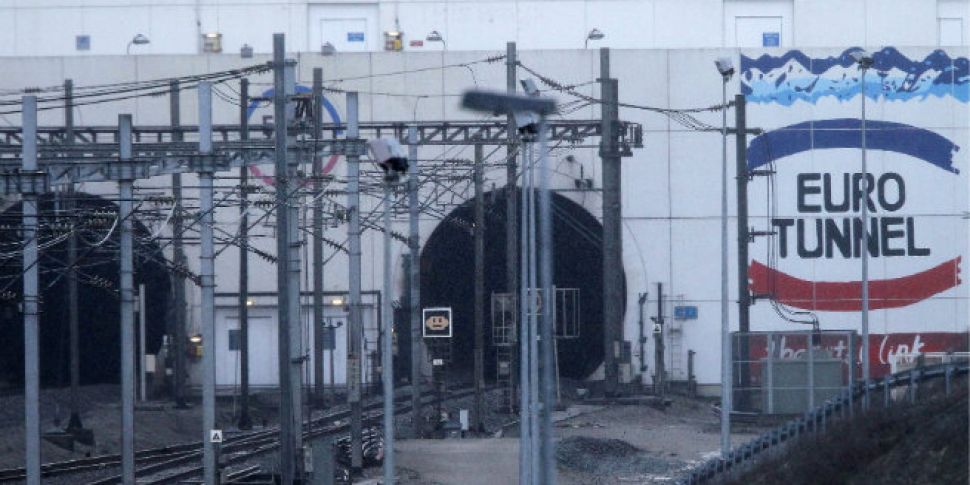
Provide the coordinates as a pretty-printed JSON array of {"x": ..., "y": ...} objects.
[
  {"x": 414, "y": 278},
  {"x": 126, "y": 257},
  {"x": 31, "y": 296},
  {"x": 479, "y": 235},
  {"x": 354, "y": 326},
  {"x": 726, "y": 374},
  {"x": 511, "y": 236},
  {"x": 317, "y": 111},
  {"x": 641, "y": 299},
  {"x": 525, "y": 335},
  {"x": 207, "y": 276},
  {"x": 295, "y": 332},
  {"x": 74, "y": 422},
  {"x": 744, "y": 295},
  {"x": 387, "y": 334},
  {"x": 142, "y": 372},
  {"x": 288, "y": 470},
  {"x": 178, "y": 255},
  {"x": 612, "y": 226},
  {"x": 245, "y": 421},
  {"x": 533, "y": 296},
  {"x": 864, "y": 249},
  {"x": 548, "y": 297},
  {"x": 658, "y": 345}
]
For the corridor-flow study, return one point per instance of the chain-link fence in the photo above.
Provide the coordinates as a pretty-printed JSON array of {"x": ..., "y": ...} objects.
[{"x": 774, "y": 373}]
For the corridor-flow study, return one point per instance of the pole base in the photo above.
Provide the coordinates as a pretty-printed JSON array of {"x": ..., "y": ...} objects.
[{"x": 245, "y": 422}]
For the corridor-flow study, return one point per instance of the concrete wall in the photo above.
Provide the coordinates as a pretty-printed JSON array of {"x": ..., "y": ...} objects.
[
  {"x": 175, "y": 27},
  {"x": 671, "y": 201}
]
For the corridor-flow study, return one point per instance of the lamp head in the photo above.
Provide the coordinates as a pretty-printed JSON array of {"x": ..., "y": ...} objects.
[
  {"x": 725, "y": 66},
  {"x": 529, "y": 86},
  {"x": 434, "y": 36},
  {"x": 140, "y": 39},
  {"x": 861, "y": 57},
  {"x": 327, "y": 49},
  {"x": 390, "y": 156},
  {"x": 595, "y": 34}
]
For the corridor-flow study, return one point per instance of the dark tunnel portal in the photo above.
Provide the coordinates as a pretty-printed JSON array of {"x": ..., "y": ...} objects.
[
  {"x": 447, "y": 279},
  {"x": 98, "y": 300}
]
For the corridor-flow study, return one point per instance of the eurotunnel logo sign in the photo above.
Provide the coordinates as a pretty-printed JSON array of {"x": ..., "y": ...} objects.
[
  {"x": 437, "y": 322},
  {"x": 818, "y": 220}
]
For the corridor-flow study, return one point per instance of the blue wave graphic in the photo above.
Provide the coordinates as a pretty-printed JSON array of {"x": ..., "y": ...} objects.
[
  {"x": 916, "y": 142},
  {"x": 794, "y": 76}
]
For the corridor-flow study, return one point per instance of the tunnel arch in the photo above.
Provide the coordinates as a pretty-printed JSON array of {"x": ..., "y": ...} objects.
[
  {"x": 447, "y": 278},
  {"x": 99, "y": 305}
]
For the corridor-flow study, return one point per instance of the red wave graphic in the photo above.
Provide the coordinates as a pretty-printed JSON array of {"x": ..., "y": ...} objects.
[{"x": 846, "y": 296}]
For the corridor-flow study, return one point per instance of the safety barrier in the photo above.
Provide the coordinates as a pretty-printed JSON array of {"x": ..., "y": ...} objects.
[{"x": 817, "y": 419}]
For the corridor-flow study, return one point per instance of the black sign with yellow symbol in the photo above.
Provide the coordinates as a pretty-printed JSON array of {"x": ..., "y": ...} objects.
[{"x": 437, "y": 322}]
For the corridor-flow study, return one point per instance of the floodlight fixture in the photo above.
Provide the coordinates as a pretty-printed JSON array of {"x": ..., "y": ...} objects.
[
  {"x": 595, "y": 34},
  {"x": 390, "y": 156},
  {"x": 529, "y": 86},
  {"x": 327, "y": 49},
  {"x": 861, "y": 57},
  {"x": 138, "y": 39},
  {"x": 435, "y": 36},
  {"x": 725, "y": 66}
]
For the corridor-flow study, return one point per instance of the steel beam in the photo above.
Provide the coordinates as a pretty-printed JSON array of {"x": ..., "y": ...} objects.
[
  {"x": 414, "y": 279},
  {"x": 287, "y": 451},
  {"x": 207, "y": 274},
  {"x": 354, "y": 326},
  {"x": 31, "y": 296},
  {"x": 126, "y": 257}
]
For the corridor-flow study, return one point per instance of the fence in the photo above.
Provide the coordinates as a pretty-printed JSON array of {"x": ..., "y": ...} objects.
[
  {"x": 817, "y": 420},
  {"x": 774, "y": 373}
]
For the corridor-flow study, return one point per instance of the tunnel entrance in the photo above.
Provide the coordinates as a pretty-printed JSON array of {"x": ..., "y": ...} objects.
[
  {"x": 98, "y": 300},
  {"x": 447, "y": 279}
]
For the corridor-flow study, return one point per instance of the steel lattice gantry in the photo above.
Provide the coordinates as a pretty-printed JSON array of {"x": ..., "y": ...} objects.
[{"x": 158, "y": 150}]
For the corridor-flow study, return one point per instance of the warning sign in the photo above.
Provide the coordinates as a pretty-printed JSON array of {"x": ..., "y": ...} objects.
[
  {"x": 215, "y": 436},
  {"x": 437, "y": 322}
]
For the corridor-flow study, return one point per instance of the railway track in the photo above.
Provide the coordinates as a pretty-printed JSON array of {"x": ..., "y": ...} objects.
[{"x": 175, "y": 462}]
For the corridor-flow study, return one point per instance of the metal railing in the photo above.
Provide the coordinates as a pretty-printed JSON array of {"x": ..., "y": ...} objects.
[{"x": 816, "y": 420}]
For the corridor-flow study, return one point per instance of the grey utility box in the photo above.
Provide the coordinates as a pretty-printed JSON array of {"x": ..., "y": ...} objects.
[{"x": 786, "y": 386}]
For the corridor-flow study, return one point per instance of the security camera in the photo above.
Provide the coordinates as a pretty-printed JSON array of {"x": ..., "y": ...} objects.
[
  {"x": 390, "y": 156},
  {"x": 725, "y": 66}
]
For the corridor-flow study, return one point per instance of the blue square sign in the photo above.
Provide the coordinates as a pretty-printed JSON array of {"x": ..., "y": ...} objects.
[
  {"x": 686, "y": 312},
  {"x": 355, "y": 36},
  {"x": 770, "y": 39}
]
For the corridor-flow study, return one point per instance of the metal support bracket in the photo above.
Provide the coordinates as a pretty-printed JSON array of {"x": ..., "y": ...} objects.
[{"x": 27, "y": 182}]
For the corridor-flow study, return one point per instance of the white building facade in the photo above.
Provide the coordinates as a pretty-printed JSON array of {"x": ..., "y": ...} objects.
[
  {"x": 803, "y": 93},
  {"x": 82, "y": 27}
]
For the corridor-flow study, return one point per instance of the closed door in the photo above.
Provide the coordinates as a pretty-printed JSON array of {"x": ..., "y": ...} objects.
[
  {"x": 346, "y": 34},
  {"x": 263, "y": 352}
]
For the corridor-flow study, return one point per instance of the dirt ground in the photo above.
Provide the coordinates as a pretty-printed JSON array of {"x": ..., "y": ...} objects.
[{"x": 596, "y": 445}]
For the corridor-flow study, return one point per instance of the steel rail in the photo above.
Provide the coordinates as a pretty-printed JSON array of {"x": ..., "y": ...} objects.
[{"x": 266, "y": 445}]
